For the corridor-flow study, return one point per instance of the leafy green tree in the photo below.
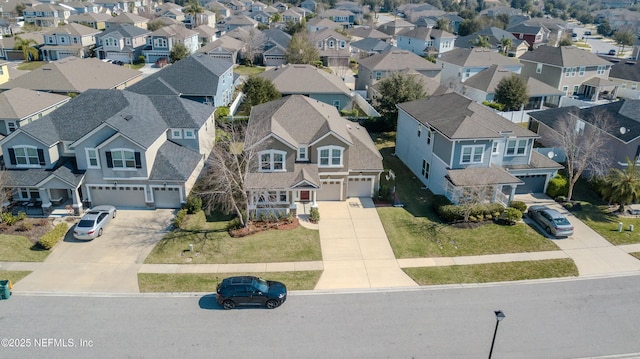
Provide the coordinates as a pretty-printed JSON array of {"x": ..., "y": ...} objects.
[
  {"x": 301, "y": 50},
  {"x": 481, "y": 41},
  {"x": 28, "y": 48},
  {"x": 276, "y": 17},
  {"x": 154, "y": 25},
  {"x": 604, "y": 28},
  {"x": 293, "y": 28},
  {"x": 395, "y": 89},
  {"x": 565, "y": 41},
  {"x": 624, "y": 38},
  {"x": 178, "y": 52},
  {"x": 259, "y": 90},
  {"x": 194, "y": 9},
  {"x": 469, "y": 26},
  {"x": 444, "y": 24},
  {"x": 506, "y": 45},
  {"x": 20, "y": 9},
  {"x": 511, "y": 91},
  {"x": 622, "y": 186}
]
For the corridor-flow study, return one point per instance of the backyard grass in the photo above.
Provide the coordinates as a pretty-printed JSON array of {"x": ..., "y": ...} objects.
[
  {"x": 20, "y": 249},
  {"x": 207, "y": 282},
  {"x": 32, "y": 65},
  {"x": 248, "y": 70},
  {"x": 416, "y": 231},
  {"x": 212, "y": 244},
  {"x": 135, "y": 66},
  {"x": 606, "y": 224},
  {"x": 635, "y": 254},
  {"x": 493, "y": 272},
  {"x": 13, "y": 276}
]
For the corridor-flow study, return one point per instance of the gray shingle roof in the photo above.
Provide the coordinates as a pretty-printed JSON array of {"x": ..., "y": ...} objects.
[
  {"x": 65, "y": 170},
  {"x": 372, "y": 45},
  {"x": 458, "y": 117},
  {"x": 174, "y": 162},
  {"x": 305, "y": 79},
  {"x": 626, "y": 70},
  {"x": 196, "y": 75},
  {"x": 476, "y": 57},
  {"x": 425, "y": 33},
  {"x": 481, "y": 176},
  {"x": 563, "y": 56},
  {"x": 126, "y": 30},
  {"x": 397, "y": 60},
  {"x": 285, "y": 180},
  {"x": 494, "y": 34},
  {"x": 20, "y": 103}
]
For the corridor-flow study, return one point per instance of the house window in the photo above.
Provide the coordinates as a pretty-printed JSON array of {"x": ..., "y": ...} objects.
[
  {"x": 123, "y": 159},
  {"x": 11, "y": 126},
  {"x": 336, "y": 104},
  {"x": 429, "y": 136},
  {"x": 581, "y": 71},
  {"x": 573, "y": 71},
  {"x": 29, "y": 193},
  {"x": 516, "y": 147},
  {"x": 272, "y": 160},
  {"x": 26, "y": 156},
  {"x": 565, "y": 89},
  {"x": 378, "y": 75},
  {"x": 494, "y": 148},
  {"x": 576, "y": 88},
  {"x": 190, "y": 134},
  {"x": 343, "y": 44},
  {"x": 272, "y": 197},
  {"x": 419, "y": 130},
  {"x": 539, "y": 68},
  {"x": 634, "y": 86},
  {"x": 472, "y": 154},
  {"x": 425, "y": 169},
  {"x": 330, "y": 156},
  {"x": 567, "y": 71},
  {"x": 302, "y": 153},
  {"x": 600, "y": 70},
  {"x": 176, "y": 133},
  {"x": 160, "y": 42},
  {"x": 331, "y": 44},
  {"x": 92, "y": 158}
]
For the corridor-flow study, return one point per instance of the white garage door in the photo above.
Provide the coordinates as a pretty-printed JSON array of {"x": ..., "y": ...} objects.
[
  {"x": 329, "y": 191},
  {"x": 359, "y": 187},
  {"x": 167, "y": 197},
  {"x": 120, "y": 196}
]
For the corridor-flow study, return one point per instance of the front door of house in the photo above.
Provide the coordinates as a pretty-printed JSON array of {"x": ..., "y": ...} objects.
[{"x": 304, "y": 196}]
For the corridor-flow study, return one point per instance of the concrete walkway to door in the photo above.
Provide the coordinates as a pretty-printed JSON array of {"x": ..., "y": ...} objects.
[{"x": 355, "y": 249}]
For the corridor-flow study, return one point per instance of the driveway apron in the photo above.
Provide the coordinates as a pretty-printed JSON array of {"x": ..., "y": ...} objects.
[
  {"x": 109, "y": 263},
  {"x": 592, "y": 254},
  {"x": 355, "y": 249}
]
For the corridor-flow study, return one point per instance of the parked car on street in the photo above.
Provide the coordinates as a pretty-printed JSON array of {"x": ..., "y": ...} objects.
[
  {"x": 587, "y": 33},
  {"x": 249, "y": 290},
  {"x": 92, "y": 224},
  {"x": 552, "y": 221}
]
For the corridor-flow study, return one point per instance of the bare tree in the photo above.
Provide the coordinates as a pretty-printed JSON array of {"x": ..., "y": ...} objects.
[
  {"x": 6, "y": 193},
  {"x": 585, "y": 143},
  {"x": 254, "y": 44}
]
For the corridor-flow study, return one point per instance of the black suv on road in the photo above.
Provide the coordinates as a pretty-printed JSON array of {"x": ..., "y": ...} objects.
[{"x": 248, "y": 290}]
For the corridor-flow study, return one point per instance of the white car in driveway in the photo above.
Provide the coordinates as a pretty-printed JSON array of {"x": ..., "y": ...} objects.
[{"x": 91, "y": 225}]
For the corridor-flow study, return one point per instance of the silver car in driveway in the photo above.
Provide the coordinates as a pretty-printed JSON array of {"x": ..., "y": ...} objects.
[
  {"x": 92, "y": 223},
  {"x": 551, "y": 220}
]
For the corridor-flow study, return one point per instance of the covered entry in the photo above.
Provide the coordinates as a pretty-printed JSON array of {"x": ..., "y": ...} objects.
[
  {"x": 119, "y": 196},
  {"x": 360, "y": 187},
  {"x": 330, "y": 190}
]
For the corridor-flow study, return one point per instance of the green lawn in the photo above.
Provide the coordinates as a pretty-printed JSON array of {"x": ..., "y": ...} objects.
[
  {"x": 636, "y": 254},
  {"x": 205, "y": 282},
  {"x": 248, "y": 70},
  {"x": 606, "y": 224},
  {"x": 416, "y": 231},
  {"x": 32, "y": 65},
  {"x": 14, "y": 276},
  {"x": 212, "y": 244},
  {"x": 20, "y": 249},
  {"x": 494, "y": 272}
]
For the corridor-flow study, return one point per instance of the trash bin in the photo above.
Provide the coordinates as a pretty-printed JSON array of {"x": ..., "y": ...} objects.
[{"x": 5, "y": 289}]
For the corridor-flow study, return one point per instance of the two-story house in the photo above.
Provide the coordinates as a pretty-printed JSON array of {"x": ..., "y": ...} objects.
[
  {"x": 567, "y": 68},
  {"x": 534, "y": 35},
  {"x": 333, "y": 47},
  {"x": 161, "y": 41},
  {"x": 199, "y": 77},
  {"x": 456, "y": 146},
  {"x": 395, "y": 26},
  {"x": 310, "y": 81},
  {"x": 306, "y": 152},
  {"x": 121, "y": 43},
  {"x": 274, "y": 50},
  {"x": 128, "y": 18},
  {"x": 91, "y": 19},
  {"x": 234, "y": 22},
  {"x": 19, "y": 107},
  {"x": 130, "y": 150},
  {"x": 626, "y": 74},
  {"x": 495, "y": 37},
  {"x": 425, "y": 41},
  {"x": 47, "y": 15},
  {"x": 343, "y": 17},
  {"x": 226, "y": 48},
  {"x": 459, "y": 65},
  {"x": 68, "y": 40},
  {"x": 376, "y": 67}
]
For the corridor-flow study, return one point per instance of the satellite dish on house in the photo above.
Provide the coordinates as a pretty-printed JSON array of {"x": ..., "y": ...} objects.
[
  {"x": 623, "y": 130},
  {"x": 551, "y": 154}
]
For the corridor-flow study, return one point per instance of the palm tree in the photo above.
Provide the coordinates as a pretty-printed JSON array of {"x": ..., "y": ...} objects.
[
  {"x": 623, "y": 186},
  {"x": 194, "y": 9},
  {"x": 481, "y": 41},
  {"x": 506, "y": 45},
  {"x": 25, "y": 45}
]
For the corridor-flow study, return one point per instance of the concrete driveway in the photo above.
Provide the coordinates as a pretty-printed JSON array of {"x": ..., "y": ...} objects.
[
  {"x": 109, "y": 263},
  {"x": 592, "y": 254},
  {"x": 355, "y": 249}
]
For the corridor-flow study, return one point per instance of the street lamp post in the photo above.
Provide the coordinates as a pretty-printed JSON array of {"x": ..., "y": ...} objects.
[{"x": 499, "y": 316}]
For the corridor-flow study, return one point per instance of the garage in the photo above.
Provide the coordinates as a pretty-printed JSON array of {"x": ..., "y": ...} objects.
[
  {"x": 360, "y": 187},
  {"x": 120, "y": 196},
  {"x": 167, "y": 197},
  {"x": 330, "y": 190},
  {"x": 532, "y": 184}
]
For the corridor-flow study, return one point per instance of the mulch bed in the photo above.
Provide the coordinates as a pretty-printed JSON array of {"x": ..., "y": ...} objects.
[
  {"x": 39, "y": 226},
  {"x": 256, "y": 227}
]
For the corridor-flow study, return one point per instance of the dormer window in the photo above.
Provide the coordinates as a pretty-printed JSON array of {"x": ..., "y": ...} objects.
[
  {"x": 330, "y": 156},
  {"x": 516, "y": 147},
  {"x": 176, "y": 133},
  {"x": 272, "y": 161},
  {"x": 303, "y": 154},
  {"x": 26, "y": 156}
]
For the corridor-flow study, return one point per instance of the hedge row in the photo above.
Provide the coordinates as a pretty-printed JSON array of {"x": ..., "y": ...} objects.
[
  {"x": 476, "y": 212},
  {"x": 49, "y": 239}
]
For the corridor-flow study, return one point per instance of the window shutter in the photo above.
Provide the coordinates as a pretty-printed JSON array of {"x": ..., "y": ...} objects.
[
  {"x": 12, "y": 156},
  {"x": 138, "y": 161},
  {"x": 41, "y": 157},
  {"x": 109, "y": 160}
]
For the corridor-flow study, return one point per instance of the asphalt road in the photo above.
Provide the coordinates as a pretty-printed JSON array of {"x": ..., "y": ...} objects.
[{"x": 569, "y": 319}]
